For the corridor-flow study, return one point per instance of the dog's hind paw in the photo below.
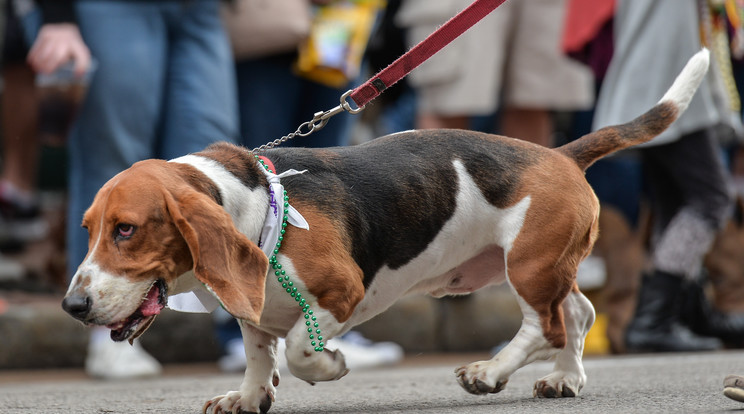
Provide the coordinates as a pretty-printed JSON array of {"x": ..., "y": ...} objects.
[
  {"x": 234, "y": 402},
  {"x": 556, "y": 387},
  {"x": 475, "y": 381}
]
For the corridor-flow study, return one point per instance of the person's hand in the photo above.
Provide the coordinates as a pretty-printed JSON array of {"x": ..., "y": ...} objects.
[{"x": 57, "y": 44}]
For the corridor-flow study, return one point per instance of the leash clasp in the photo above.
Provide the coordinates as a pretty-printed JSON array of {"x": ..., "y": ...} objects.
[{"x": 320, "y": 119}]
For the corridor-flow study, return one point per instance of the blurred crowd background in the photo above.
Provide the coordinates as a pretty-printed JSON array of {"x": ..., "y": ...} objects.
[{"x": 91, "y": 86}]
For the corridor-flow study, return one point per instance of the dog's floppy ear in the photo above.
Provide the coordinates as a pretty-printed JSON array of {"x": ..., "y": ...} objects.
[{"x": 224, "y": 259}]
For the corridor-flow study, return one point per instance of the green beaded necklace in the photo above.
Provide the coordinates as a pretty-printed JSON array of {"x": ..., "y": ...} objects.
[{"x": 313, "y": 328}]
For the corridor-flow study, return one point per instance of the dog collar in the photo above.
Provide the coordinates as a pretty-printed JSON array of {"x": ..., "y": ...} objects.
[{"x": 266, "y": 163}]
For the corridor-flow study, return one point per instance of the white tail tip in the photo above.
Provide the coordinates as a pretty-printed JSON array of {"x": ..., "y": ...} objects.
[{"x": 687, "y": 82}]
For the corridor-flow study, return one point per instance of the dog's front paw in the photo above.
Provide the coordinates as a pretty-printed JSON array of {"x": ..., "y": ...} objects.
[
  {"x": 237, "y": 402},
  {"x": 557, "y": 385},
  {"x": 323, "y": 366},
  {"x": 474, "y": 379},
  {"x": 336, "y": 366}
]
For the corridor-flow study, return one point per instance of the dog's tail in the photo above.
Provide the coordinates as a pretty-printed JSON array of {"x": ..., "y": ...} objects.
[{"x": 591, "y": 147}]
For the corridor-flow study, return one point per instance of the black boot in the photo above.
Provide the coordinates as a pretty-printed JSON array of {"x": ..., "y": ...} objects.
[
  {"x": 656, "y": 324},
  {"x": 703, "y": 319}
]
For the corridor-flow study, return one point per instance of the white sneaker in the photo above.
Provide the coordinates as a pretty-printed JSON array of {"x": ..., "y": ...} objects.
[
  {"x": 234, "y": 358},
  {"x": 359, "y": 352},
  {"x": 592, "y": 273},
  {"x": 118, "y": 360},
  {"x": 10, "y": 270}
]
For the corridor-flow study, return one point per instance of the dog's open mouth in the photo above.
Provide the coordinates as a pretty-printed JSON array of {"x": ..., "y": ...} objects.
[{"x": 138, "y": 322}]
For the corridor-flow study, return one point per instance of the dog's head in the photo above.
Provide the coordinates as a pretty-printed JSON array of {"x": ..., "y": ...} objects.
[{"x": 147, "y": 226}]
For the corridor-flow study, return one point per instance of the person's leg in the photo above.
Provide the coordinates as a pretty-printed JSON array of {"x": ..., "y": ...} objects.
[
  {"x": 694, "y": 203},
  {"x": 267, "y": 95},
  {"x": 199, "y": 104},
  {"x": 529, "y": 124},
  {"x": 539, "y": 77},
  {"x": 20, "y": 219},
  {"x": 690, "y": 233},
  {"x": 20, "y": 142},
  {"x": 690, "y": 203},
  {"x": 20, "y": 215}
]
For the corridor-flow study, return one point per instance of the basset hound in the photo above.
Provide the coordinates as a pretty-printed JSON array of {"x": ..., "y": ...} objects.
[{"x": 307, "y": 243}]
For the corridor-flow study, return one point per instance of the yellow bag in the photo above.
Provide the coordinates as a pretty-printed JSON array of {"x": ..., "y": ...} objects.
[{"x": 332, "y": 54}]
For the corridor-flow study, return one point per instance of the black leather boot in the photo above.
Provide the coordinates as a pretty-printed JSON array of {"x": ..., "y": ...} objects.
[
  {"x": 703, "y": 319},
  {"x": 656, "y": 326}
]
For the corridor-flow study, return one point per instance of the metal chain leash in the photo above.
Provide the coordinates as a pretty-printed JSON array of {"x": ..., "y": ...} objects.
[{"x": 320, "y": 119}]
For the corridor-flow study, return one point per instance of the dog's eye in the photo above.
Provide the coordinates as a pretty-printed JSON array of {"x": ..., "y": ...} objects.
[{"x": 124, "y": 231}]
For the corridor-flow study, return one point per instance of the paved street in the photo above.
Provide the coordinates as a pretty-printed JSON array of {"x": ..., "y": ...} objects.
[{"x": 688, "y": 383}]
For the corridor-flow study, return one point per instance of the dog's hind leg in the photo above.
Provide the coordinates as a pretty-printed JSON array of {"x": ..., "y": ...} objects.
[
  {"x": 568, "y": 375},
  {"x": 528, "y": 345},
  {"x": 541, "y": 335}
]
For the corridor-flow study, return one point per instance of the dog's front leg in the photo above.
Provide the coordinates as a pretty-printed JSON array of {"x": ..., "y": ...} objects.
[
  {"x": 304, "y": 361},
  {"x": 261, "y": 376}
]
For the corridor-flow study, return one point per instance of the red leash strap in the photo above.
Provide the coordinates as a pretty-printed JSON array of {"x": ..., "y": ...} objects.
[
  {"x": 397, "y": 70},
  {"x": 448, "y": 32}
]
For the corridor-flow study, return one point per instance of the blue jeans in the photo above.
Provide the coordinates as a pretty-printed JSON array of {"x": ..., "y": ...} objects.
[
  {"x": 618, "y": 181},
  {"x": 274, "y": 102},
  {"x": 164, "y": 87}
]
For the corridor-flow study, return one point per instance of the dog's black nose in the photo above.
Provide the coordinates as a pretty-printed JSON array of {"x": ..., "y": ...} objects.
[{"x": 77, "y": 306}]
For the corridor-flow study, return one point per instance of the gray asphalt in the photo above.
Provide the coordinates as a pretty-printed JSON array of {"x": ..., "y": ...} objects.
[{"x": 688, "y": 383}]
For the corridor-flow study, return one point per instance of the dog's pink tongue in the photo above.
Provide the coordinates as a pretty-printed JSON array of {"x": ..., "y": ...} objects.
[{"x": 151, "y": 305}]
